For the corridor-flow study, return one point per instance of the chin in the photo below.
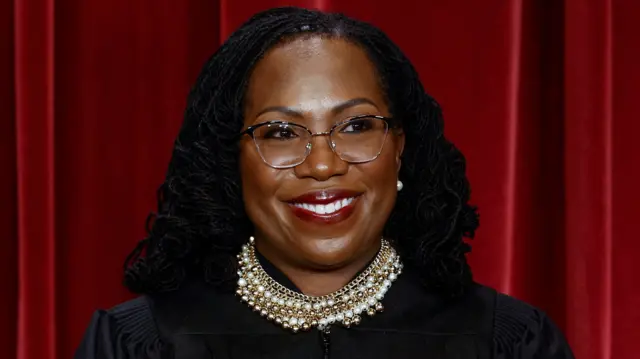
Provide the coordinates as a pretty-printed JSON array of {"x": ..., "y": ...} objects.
[{"x": 331, "y": 253}]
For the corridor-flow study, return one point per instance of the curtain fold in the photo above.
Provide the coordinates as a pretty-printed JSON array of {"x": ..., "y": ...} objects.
[
  {"x": 588, "y": 170},
  {"x": 540, "y": 95},
  {"x": 35, "y": 172},
  {"x": 8, "y": 183}
]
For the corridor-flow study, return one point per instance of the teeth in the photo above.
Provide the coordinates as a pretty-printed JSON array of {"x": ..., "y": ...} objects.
[{"x": 325, "y": 208}]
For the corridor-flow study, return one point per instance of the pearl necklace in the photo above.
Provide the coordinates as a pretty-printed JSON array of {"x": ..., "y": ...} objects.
[{"x": 296, "y": 311}]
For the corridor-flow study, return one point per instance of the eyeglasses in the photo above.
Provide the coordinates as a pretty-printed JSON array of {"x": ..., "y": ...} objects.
[{"x": 284, "y": 144}]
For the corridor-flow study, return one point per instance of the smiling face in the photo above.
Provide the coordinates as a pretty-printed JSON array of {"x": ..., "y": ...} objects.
[{"x": 324, "y": 212}]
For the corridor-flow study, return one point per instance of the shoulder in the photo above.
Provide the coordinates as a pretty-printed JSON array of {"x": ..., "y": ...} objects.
[
  {"x": 522, "y": 330},
  {"x": 125, "y": 331},
  {"x": 135, "y": 319}
]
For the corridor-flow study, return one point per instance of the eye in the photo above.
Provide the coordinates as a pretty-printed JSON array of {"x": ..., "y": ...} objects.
[
  {"x": 359, "y": 125},
  {"x": 279, "y": 132}
]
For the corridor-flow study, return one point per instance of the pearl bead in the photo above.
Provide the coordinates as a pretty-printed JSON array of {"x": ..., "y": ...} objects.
[
  {"x": 349, "y": 313},
  {"x": 242, "y": 282}
]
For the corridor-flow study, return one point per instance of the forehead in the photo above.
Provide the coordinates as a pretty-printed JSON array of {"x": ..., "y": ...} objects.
[{"x": 313, "y": 69}]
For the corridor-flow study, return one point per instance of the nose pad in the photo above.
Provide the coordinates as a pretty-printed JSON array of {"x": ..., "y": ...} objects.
[
  {"x": 321, "y": 162},
  {"x": 327, "y": 138}
]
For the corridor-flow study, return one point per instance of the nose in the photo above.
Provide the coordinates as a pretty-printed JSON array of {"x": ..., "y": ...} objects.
[{"x": 322, "y": 163}]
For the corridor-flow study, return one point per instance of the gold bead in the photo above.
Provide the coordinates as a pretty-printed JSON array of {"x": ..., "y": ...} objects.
[
  {"x": 379, "y": 307},
  {"x": 295, "y": 328},
  {"x": 285, "y": 325},
  {"x": 356, "y": 320},
  {"x": 371, "y": 311},
  {"x": 306, "y": 326},
  {"x": 314, "y": 323}
]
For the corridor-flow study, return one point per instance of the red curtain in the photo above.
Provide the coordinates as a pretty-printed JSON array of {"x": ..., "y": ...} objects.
[{"x": 539, "y": 94}]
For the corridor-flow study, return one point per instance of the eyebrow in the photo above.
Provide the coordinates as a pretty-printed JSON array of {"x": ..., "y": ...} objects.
[{"x": 335, "y": 110}]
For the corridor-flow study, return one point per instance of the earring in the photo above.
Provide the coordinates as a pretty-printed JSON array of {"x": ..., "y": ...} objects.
[{"x": 399, "y": 185}]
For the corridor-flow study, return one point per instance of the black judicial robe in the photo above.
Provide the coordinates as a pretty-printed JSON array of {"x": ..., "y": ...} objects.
[{"x": 198, "y": 322}]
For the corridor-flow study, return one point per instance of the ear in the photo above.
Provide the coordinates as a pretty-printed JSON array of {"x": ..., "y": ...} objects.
[{"x": 399, "y": 141}]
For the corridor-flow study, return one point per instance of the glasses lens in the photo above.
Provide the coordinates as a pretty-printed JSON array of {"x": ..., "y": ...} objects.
[
  {"x": 281, "y": 144},
  {"x": 360, "y": 139}
]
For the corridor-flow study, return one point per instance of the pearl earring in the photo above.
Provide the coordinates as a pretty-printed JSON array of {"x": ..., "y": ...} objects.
[{"x": 399, "y": 185}]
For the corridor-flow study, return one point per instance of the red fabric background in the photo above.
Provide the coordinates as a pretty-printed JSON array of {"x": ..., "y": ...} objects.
[{"x": 539, "y": 94}]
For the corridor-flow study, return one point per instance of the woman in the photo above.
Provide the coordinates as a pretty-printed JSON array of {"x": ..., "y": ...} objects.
[{"x": 313, "y": 209}]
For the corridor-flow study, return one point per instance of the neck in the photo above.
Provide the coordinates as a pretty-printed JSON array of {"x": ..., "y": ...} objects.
[{"x": 315, "y": 281}]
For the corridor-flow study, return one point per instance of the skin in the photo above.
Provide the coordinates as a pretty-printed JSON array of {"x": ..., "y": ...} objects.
[{"x": 313, "y": 77}]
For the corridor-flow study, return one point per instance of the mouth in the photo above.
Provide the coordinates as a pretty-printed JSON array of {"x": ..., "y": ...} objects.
[{"x": 325, "y": 207}]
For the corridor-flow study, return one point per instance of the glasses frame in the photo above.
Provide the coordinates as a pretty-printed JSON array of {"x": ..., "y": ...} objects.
[{"x": 390, "y": 123}]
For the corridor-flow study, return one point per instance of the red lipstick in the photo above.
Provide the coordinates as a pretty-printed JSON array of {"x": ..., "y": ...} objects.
[{"x": 308, "y": 206}]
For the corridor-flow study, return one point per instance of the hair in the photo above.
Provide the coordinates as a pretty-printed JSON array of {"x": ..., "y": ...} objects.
[{"x": 200, "y": 224}]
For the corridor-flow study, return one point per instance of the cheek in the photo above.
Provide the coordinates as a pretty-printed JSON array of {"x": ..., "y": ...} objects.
[
  {"x": 381, "y": 177},
  {"x": 259, "y": 181}
]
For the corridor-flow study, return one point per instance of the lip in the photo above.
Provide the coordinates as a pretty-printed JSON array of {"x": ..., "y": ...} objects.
[{"x": 325, "y": 197}]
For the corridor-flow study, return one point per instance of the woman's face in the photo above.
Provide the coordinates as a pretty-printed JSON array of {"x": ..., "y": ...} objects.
[{"x": 317, "y": 82}]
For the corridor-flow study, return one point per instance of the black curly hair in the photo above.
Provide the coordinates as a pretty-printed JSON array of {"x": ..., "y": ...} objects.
[{"x": 201, "y": 224}]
